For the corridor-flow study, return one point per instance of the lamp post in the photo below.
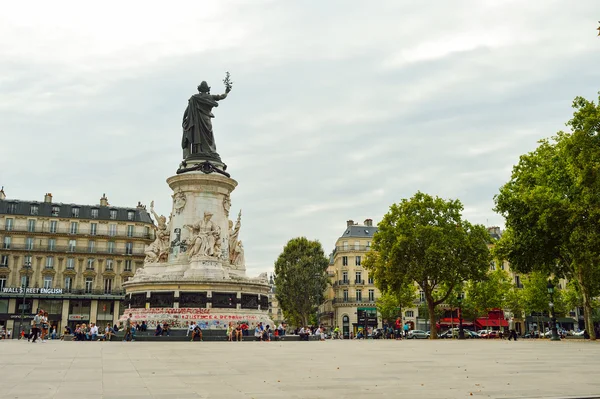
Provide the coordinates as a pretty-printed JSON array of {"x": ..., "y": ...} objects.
[
  {"x": 550, "y": 288},
  {"x": 461, "y": 331},
  {"x": 24, "y": 287}
]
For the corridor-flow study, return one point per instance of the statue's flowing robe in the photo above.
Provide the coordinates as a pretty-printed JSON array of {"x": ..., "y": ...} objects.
[{"x": 197, "y": 124}]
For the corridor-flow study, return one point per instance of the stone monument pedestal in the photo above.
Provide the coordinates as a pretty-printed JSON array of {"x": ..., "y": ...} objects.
[{"x": 195, "y": 270}]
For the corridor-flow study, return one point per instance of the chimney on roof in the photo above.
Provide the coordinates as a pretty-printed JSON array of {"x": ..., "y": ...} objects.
[
  {"x": 103, "y": 200},
  {"x": 140, "y": 206},
  {"x": 48, "y": 198},
  {"x": 349, "y": 223},
  {"x": 495, "y": 230},
  {"x": 369, "y": 222},
  {"x": 2, "y": 194}
]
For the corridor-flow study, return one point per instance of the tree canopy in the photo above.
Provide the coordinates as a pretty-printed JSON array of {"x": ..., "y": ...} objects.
[
  {"x": 488, "y": 293},
  {"x": 552, "y": 207},
  {"x": 391, "y": 303},
  {"x": 425, "y": 240},
  {"x": 300, "y": 279}
]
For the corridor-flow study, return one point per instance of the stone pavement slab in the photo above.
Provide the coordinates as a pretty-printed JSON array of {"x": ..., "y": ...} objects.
[{"x": 331, "y": 369}]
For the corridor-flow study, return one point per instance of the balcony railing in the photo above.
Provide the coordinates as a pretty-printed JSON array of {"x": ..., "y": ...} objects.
[
  {"x": 352, "y": 301},
  {"x": 78, "y": 231},
  {"x": 75, "y": 249},
  {"x": 93, "y": 292},
  {"x": 359, "y": 282},
  {"x": 351, "y": 248}
]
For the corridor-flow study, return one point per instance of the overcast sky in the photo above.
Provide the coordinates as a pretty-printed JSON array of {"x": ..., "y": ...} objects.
[{"x": 338, "y": 109}]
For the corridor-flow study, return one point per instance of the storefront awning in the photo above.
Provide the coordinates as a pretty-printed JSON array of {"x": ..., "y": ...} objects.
[{"x": 485, "y": 322}]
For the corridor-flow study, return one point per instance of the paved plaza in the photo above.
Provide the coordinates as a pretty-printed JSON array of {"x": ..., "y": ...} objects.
[{"x": 332, "y": 369}]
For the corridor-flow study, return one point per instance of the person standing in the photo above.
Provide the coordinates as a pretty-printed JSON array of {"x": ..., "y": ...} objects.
[
  {"x": 406, "y": 327},
  {"x": 36, "y": 324},
  {"x": 511, "y": 327},
  {"x": 398, "y": 328},
  {"x": 127, "y": 329}
]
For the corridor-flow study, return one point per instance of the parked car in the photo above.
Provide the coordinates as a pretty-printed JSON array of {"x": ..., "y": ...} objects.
[
  {"x": 417, "y": 334},
  {"x": 471, "y": 334},
  {"x": 488, "y": 334},
  {"x": 452, "y": 333}
]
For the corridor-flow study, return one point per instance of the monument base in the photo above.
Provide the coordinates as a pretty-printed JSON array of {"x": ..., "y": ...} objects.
[{"x": 177, "y": 295}]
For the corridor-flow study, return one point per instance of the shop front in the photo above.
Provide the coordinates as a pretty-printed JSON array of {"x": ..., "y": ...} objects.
[
  {"x": 365, "y": 318},
  {"x": 79, "y": 312},
  {"x": 63, "y": 307}
]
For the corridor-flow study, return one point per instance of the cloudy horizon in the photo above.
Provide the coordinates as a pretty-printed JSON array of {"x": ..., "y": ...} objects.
[{"x": 338, "y": 108}]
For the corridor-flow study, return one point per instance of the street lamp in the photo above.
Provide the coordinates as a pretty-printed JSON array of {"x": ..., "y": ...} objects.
[
  {"x": 550, "y": 288},
  {"x": 24, "y": 286},
  {"x": 461, "y": 331}
]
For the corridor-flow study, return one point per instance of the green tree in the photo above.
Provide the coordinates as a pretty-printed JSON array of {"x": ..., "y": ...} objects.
[
  {"x": 513, "y": 302},
  {"x": 535, "y": 293},
  {"x": 488, "y": 293},
  {"x": 425, "y": 240},
  {"x": 391, "y": 303},
  {"x": 571, "y": 295},
  {"x": 552, "y": 207},
  {"x": 300, "y": 278}
]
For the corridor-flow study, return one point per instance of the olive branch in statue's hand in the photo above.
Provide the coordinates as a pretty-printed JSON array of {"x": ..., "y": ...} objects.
[{"x": 228, "y": 83}]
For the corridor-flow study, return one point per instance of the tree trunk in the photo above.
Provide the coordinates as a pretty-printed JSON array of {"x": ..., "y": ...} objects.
[
  {"x": 432, "y": 324},
  {"x": 587, "y": 306}
]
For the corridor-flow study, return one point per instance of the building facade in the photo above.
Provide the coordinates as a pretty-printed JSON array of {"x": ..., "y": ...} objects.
[
  {"x": 67, "y": 259},
  {"x": 350, "y": 298}
]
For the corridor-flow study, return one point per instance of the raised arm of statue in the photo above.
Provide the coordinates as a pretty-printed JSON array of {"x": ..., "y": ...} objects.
[
  {"x": 156, "y": 217},
  {"x": 218, "y": 97}
]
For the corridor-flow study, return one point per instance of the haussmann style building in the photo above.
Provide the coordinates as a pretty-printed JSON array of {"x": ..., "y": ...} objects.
[
  {"x": 67, "y": 259},
  {"x": 350, "y": 299}
]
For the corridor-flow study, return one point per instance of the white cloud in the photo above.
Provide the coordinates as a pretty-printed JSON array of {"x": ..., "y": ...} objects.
[{"x": 338, "y": 110}]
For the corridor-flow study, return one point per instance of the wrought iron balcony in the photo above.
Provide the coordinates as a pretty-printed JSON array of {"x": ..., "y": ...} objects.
[
  {"x": 352, "y": 301},
  {"x": 352, "y": 248},
  {"x": 75, "y": 249},
  {"x": 79, "y": 231}
]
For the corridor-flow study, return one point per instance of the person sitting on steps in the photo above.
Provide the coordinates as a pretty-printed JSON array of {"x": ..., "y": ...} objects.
[{"x": 197, "y": 332}]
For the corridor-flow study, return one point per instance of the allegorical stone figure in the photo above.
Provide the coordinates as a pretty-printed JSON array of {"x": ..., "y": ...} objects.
[
  {"x": 158, "y": 251},
  {"x": 238, "y": 260},
  {"x": 204, "y": 238},
  {"x": 198, "y": 138},
  {"x": 234, "y": 233}
]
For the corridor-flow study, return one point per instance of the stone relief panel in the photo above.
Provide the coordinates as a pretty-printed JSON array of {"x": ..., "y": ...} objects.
[
  {"x": 179, "y": 201},
  {"x": 227, "y": 204}
]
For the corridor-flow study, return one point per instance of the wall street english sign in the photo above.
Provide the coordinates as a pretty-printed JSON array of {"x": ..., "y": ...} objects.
[{"x": 19, "y": 290}]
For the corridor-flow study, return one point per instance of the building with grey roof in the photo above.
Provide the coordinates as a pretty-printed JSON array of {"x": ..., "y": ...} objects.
[{"x": 68, "y": 259}]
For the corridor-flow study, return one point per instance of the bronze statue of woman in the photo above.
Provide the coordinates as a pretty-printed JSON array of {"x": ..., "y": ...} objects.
[{"x": 198, "y": 141}]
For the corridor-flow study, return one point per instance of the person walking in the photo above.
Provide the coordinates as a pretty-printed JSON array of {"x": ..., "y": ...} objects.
[
  {"x": 511, "y": 327},
  {"x": 36, "y": 324}
]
